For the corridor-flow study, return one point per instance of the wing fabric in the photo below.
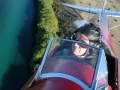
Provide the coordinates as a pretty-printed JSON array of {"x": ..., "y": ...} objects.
[{"x": 94, "y": 10}]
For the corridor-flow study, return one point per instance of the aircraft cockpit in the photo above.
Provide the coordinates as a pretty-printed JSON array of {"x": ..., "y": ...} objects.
[{"x": 73, "y": 65}]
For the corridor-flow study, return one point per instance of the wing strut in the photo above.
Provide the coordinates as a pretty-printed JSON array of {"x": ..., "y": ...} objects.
[{"x": 103, "y": 8}]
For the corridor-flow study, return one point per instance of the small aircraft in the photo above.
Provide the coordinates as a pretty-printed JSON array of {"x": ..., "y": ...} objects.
[{"x": 65, "y": 72}]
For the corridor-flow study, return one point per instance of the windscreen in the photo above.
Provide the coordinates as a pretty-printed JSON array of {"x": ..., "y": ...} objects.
[
  {"x": 72, "y": 58},
  {"x": 102, "y": 73}
]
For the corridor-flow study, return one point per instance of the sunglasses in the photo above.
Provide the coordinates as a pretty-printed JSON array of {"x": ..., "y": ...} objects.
[{"x": 79, "y": 40}]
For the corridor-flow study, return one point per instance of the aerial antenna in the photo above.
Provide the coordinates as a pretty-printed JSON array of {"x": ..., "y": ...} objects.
[
  {"x": 114, "y": 26},
  {"x": 103, "y": 8},
  {"x": 94, "y": 8},
  {"x": 116, "y": 20}
]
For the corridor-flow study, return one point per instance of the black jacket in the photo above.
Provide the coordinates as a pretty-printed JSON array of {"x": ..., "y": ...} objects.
[{"x": 90, "y": 57}]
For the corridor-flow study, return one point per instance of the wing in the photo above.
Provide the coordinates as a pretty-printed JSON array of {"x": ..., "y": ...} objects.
[{"x": 94, "y": 10}]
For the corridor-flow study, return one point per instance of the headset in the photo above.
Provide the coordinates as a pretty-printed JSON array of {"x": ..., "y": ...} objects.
[{"x": 92, "y": 42}]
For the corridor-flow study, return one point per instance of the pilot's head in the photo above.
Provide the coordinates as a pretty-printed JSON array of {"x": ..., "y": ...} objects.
[
  {"x": 89, "y": 34},
  {"x": 79, "y": 49}
]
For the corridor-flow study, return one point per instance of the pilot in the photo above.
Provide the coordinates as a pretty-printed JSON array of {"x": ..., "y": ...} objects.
[{"x": 89, "y": 34}]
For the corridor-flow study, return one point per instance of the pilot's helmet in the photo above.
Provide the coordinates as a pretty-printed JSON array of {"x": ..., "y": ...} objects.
[{"x": 92, "y": 32}]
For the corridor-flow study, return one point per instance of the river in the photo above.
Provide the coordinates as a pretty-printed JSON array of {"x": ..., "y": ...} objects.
[{"x": 17, "y": 30}]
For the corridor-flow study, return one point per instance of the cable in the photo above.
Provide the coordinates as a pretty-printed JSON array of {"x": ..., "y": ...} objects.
[{"x": 78, "y": 14}]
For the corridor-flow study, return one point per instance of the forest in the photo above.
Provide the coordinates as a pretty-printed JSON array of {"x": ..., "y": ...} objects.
[{"x": 47, "y": 26}]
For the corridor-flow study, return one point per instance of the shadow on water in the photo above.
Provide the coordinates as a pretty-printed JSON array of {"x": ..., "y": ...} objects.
[
  {"x": 19, "y": 72},
  {"x": 15, "y": 77}
]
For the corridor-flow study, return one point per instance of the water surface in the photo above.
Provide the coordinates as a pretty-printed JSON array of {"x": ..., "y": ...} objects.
[{"x": 17, "y": 28}]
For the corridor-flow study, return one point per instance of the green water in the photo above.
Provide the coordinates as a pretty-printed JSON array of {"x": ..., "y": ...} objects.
[{"x": 15, "y": 42}]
